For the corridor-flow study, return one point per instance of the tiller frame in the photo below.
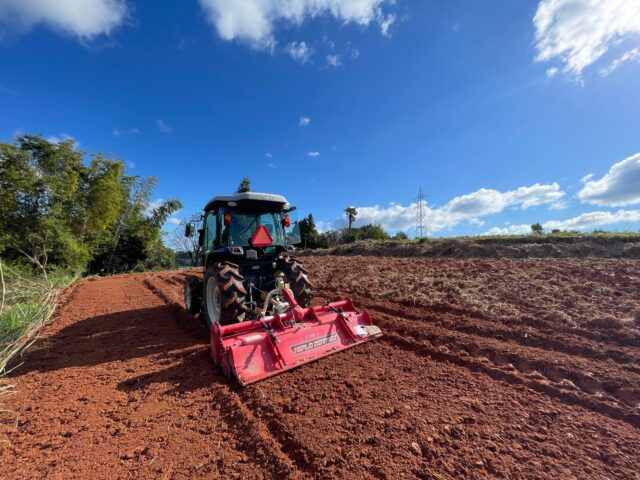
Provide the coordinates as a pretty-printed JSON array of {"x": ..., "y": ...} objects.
[{"x": 258, "y": 349}]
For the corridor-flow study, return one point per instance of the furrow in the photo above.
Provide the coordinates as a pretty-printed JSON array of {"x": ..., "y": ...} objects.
[
  {"x": 303, "y": 457},
  {"x": 622, "y": 338},
  {"x": 256, "y": 438},
  {"x": 525, "y": 362},
  {"x": 519, "y": 335},
  {"x": 472, "y": 364},
  {"x": 253, "y": 436}
]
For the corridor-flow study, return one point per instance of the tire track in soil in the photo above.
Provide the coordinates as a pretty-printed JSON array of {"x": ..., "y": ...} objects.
[
  {"x": 625, "y": 338},
  {"x": 627, "y": 359},
  {"x": 345, "y": 418},
  {"x": 616, "y": 413},
  {"x": 273, "y": 452},
  {"x": 615, "y": 395},
  {"x": 584, "y": 381},
  {"x": 505, "y": 363},
  {"x": 422, "y": 319}
]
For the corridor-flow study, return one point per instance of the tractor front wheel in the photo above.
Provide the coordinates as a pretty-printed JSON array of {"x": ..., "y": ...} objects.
[{"x": 193, "y": 294}]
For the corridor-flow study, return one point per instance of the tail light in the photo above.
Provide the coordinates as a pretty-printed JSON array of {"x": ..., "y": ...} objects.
[
  {"x": 227, "y": 219},
  {"x": 286, "y": 221}
]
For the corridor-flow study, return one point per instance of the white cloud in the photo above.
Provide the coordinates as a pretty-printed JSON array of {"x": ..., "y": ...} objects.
[
  {"x": 334, "y": 60},
  {"x": 627, "y": 57},
  {"x": 254, "y": 21},
  {"x": 618, "y": 188},
  {"x": 268, "y": 155},
  {"x": 304, "y": 121},
  {"x": 152, "y": 206},
  {"x": 164, "y": 127},
  {"x": 585, "y": 221},
  {"x": 85, "y": 19},
  {"x": 117, "y": 133},
  {"x": 385, "y": 22},
  {"x": 593, "y": 220},
  {"x": 552, "y": 72},
  {"x": 578, "y": 32},
  {"x": 510, "y": 230},
  {"x": 174, "y": 221},
  {"x": 586, "y": 178},
  {"x": 272, "y": 165},
  {"x": 131, "y": 164},
  {"x": 299, "y": 51},
  {"x": 470, "y": 208},
  {"x": 313, "y": 154},
  {"x": 559, "y": 205},
  {"x": 63, "y": 137}
]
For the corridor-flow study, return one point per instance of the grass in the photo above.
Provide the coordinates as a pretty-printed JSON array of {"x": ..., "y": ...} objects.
[{"x": 27, "y": 302}]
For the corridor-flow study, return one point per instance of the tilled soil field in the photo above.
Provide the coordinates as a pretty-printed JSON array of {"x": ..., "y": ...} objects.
[{"x": 488, "y": 369}]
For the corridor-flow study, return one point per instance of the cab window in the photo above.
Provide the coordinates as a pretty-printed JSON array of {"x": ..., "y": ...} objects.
[{"x": 211, "y": 231}]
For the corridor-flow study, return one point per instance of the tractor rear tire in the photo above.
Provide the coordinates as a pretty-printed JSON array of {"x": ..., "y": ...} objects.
[
  {"x": 193, "y": 294},
  {"x": 298, "y": 279},
  {"x": 225, "y": 304}
]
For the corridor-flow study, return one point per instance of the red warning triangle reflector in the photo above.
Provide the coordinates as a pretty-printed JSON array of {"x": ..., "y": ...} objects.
[{"x": 261, "y": 237}]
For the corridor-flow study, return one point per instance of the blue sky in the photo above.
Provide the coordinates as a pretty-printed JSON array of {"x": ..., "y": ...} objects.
[{"x": 505, "y": 113}]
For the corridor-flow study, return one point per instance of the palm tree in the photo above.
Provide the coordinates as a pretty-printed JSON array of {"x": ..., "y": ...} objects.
[{"x": 351, "y": 214}]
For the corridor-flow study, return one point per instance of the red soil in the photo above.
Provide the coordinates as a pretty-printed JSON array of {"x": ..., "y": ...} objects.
[{"x": 488, "y": 369}]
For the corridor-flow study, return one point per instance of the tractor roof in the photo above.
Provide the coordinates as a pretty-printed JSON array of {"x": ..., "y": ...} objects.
[{"x": 250, "y": 200}]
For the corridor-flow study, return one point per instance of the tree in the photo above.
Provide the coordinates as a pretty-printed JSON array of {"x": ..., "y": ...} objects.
[
  {"x": 400, "y": 236},
  {"x": 308, "y": 233},
  {"x": 189, "y": 246},
  {"x": 43, "y": 205},
  {"x": 537, "y": 229},
  {"x": 370, "y": 232},
  {"x": 244, "y": 186},
  {"x": 329, "y": 239},
  {"x": 57, "y": 209},
  {"x": 351, "y": 214}
]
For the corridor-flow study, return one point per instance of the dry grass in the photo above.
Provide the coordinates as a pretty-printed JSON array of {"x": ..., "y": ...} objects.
[{"x": 27, "y": 302}]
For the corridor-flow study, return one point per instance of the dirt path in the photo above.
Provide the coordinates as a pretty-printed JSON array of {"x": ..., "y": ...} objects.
[{"x": 536, "y": 377}]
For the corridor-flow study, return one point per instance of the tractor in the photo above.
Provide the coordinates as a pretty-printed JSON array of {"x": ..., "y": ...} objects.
[{"x": 255, "y": 296}]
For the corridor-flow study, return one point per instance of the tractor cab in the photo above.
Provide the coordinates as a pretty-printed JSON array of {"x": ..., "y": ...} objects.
[{"x": 237, "y": 223}]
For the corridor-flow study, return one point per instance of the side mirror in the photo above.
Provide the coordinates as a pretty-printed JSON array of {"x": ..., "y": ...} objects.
[{"x": 188, "y": 230}]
